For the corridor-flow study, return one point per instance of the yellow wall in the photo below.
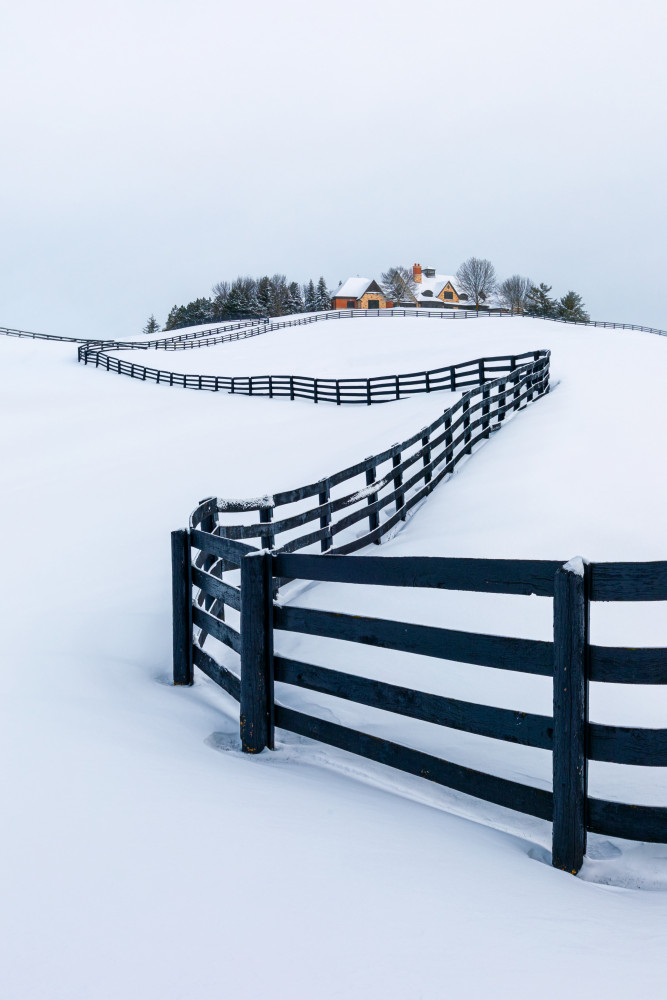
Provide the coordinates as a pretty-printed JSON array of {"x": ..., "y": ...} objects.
[
  {"x": 377, "y": 297},
  {"x": 448, "y": 288}
]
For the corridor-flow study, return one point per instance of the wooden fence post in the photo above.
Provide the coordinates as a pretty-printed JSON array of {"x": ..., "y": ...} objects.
[
  {"x": 570, "y": 718},
  {"x": 449, "y": 451},
  {"x": 373, "y": 517},
  {"x": 427, "y": 456},
  {"x": 486, "y": 392},
  {"x": 265, "y": 517},
  {"x": 181, "y": 595},
  {"x": 467, "y": 449},
  {"x": 325, "y": 520},
  {"x": 517, "y": 387},
  {"x": 398, "y": 482},
  {"x": 256, "y": 653}
]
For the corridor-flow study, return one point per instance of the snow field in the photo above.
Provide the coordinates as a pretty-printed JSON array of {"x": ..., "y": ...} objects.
[{"x": 140, "y": 840}]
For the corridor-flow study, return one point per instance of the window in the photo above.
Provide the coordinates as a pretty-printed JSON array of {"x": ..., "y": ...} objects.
[
  {"x": 351, "y": 304},
  {"x": 448, "y": 295},
  {"x": 427, "y": 291},
  {"x": 373, "y": 304}
]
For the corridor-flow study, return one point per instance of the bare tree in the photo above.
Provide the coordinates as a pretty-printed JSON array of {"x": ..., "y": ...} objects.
[
  {"x": 398, "y": 283},
  {"x": 514, "y": 292},
  {"x": 477, "y": 278}
]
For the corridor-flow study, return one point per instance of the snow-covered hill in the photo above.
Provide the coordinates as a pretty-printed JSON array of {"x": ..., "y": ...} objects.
[{"x": 140, "y": 844}]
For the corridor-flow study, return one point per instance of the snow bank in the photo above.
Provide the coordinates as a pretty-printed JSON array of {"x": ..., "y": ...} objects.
[{"x": 134, "y": 830}]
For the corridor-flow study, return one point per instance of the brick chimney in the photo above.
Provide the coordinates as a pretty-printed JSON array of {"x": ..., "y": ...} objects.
[{"x": 417, "y": 273}]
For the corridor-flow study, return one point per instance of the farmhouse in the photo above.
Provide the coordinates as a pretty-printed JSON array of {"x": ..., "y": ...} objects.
[
  {"x": 436, "y": 291},
  {"x": 430, "y": 291},
  {"x": 359, "y": 293}
]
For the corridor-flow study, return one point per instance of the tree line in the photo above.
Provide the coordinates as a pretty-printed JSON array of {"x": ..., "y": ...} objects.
[
  {"x": 477, "y": 281},
  {"x": 255, "y": 298},
  {"x": 248, "y": 298}
]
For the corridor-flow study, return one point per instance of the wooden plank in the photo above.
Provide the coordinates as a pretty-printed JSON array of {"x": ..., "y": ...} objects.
[
  {"x": 221, "y": 675},
  {"x": 489, "y": 576},
  {"x": 616, "y": 819},
  {"x": 256, "y": 653},
  {"x": 217, "y": 588},
  {"x": 630, "y": 581},
  {"x": 531, "y": 656},
  {"x": 503, "y": 792},
  {"x": 570, "y": 766},
  {"x": 627, "y": 745},
  {"x": 618, "y": 665},
  {"x": 219, "y": 546},
  {"x": 181, "y": 589},
  {"x": 483, "y": 720},
  {"x": 218, "y": 629}
]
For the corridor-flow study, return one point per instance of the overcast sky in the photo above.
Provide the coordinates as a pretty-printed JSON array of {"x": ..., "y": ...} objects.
[{"x": 150, "y": 149}]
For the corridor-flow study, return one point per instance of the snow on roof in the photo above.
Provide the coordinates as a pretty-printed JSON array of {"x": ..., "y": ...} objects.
[
  {"x": 353, "y": 288},
  {"x": 435, "y": 286}
]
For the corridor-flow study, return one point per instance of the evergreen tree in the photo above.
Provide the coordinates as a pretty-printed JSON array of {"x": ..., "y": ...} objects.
[
  {"x": 264, "y": 296},
  {"x": 152, "y": 326},
  {"x": 279, "y": 294},
  {"x": 538, "y": 302},
  {"x": 236, "y": 303},
  {"x": 571, "y": 307},
  {"x": 242, "y": 300},
  {"x": 322, "y": 297},
  {"x": 294, "y": 302},
  {"x": 176, "y": 318},
  {"x": 310, "y": 297}
]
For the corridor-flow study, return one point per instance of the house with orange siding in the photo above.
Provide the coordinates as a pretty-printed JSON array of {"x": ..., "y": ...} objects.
[{"x": 359, "y": 293}]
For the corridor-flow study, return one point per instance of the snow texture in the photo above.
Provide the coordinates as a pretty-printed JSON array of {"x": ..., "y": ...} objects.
[{"x": 145, "y": 856}]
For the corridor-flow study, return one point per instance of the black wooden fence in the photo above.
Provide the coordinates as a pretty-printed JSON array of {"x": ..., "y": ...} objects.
[
  {"x": 234, "y": 330},
  {"x": 570, "y": 659},
  {"x": 383, "y": 488},
  {"x": 381, "y": 388}
]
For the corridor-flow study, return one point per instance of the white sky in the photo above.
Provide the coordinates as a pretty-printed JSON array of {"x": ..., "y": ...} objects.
[{"x": 152, "y": 148}]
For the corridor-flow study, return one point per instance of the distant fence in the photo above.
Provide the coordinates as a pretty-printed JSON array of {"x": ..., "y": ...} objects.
[
  {"x": 379, "y": 388},
  {"x": 397, "y": 478},
  {"x": 241, "y": 329}
]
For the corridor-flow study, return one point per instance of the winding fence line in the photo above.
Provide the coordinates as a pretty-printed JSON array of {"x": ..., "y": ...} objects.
[
  {"x": 379, "y": 388},
  {"x": 221, "y": 334},
  {"x": 211, "y": 602}
]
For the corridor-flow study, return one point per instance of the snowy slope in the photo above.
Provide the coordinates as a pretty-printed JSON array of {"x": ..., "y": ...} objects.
[{"x": 141, "y": 843}]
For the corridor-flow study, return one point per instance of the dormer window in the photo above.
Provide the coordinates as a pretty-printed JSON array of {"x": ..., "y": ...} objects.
[{"x": 427, "y": 291}]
